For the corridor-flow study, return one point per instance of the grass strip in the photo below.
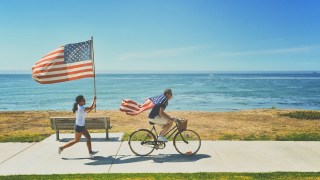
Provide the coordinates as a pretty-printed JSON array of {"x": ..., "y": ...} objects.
[
  {"x": 295, "y": 136},
  {"x": 24, "y": 137},
  {"x": 176, "y": 176}
]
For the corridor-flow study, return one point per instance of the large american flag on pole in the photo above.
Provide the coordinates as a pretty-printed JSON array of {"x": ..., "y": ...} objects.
[{"x": 66, "y": 63}]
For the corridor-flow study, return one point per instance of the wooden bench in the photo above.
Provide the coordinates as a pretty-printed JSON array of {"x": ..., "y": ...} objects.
[{"x": 67, "y": 123}]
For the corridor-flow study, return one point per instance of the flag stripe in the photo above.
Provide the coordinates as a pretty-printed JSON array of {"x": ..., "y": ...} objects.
[
  {"x": 49, "y": 58},
  {"x": 124, "y": 109},
  {"x": 64, "y": 80},
  {"x": 49, "y": 64},
  {"x": 64, "y": 71},
  {"x": 44, "y": 63},
  {"x": 61, "y": 67},
  {"x": 60, "y": 49},
  {"x": 129, "y": 101},
  {"x": 76, "y": 63},
  {"x": 63, "y": 76},
  {"x": 130, "y": 106}
]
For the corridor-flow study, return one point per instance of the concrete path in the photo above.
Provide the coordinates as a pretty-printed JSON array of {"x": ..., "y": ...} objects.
[{"x": 115, "y": 157}]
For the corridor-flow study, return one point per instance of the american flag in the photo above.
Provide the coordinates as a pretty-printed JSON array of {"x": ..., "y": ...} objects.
[
  {"x": 132, "y": 108},
  {"x": 66, "y": 63}
]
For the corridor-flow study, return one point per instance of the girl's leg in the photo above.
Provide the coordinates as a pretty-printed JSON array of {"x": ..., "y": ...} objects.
[
  {"x": 72, "y": 142},
  {"x": 88, "y": 137}
]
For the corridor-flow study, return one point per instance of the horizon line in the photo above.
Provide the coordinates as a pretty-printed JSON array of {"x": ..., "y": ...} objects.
[{"x": 181, "y": 72}]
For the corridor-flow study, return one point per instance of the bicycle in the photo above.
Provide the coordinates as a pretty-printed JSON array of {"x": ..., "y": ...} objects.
[{"x": 187, "y": 142}]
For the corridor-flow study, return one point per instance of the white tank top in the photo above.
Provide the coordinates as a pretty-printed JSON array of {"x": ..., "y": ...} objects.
[{"x": 80, "y": 116}]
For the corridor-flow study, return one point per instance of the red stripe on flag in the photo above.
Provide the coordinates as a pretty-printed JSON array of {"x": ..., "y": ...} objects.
[
  {"x": 63, "y": 74},
  {"x": 51, "y": 58},
  {"x": 64, "y": 80},
  {"x": 124, "y": 110},
  {"x": 130, "y": 107},
  {"x": 47, "y": 64},
  {"x": 129, "y": 101},
  {"x": 63, "y": 68},
  {"x": 54, "y": 52}
]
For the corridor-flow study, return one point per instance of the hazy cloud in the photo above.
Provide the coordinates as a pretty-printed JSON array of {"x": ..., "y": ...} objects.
[
  {"x": 268, "y": 51},
  {"x": 155, "y": 53}
]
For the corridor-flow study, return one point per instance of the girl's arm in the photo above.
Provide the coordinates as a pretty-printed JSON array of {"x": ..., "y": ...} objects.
[{"x": 93, "y": 105}]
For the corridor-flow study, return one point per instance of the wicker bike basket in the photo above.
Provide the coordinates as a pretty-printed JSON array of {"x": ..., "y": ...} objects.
[{"x": 182, "y": 124}]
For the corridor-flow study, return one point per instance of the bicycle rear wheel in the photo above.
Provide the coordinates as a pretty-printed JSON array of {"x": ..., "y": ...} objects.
[
  {"x": 187, "y": 142},
  {"x": 142, "y": 142}
]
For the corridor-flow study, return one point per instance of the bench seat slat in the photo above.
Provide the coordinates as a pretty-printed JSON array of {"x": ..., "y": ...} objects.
[{"x": 67, "y": 123}]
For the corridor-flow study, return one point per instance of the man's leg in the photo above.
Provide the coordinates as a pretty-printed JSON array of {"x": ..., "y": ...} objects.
[{"x": 166, "y": 128}]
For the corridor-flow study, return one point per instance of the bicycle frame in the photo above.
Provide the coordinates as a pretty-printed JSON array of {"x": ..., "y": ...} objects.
[
  {"x": 150, "y": 139},
  {"x": 174, "y": 129}
]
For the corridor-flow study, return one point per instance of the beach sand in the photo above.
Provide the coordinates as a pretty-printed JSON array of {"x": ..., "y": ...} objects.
[{"x": 261, "y": 124}]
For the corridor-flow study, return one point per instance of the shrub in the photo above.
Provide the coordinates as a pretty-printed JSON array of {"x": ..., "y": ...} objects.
[{"x": 306, "y": 115}]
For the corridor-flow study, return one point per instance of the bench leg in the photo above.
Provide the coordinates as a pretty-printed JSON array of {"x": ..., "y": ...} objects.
[
  {"x": 57, "y": 135},
  {"x": 107, "y": 134}
]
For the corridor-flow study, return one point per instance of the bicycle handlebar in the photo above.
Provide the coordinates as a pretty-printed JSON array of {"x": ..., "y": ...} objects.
[{"x": 178, "y": 119}]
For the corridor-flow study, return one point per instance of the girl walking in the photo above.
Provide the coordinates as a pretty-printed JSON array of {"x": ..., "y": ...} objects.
[{"x": 79, "y": 127}]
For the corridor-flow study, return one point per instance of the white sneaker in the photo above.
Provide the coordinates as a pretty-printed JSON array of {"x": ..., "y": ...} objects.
[
  {"x": 93, "y": 153},
  {"x": 161, "y": 138}
]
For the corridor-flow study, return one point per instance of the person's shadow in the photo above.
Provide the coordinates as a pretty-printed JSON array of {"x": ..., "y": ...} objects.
[
  {"x": 122, "y": 159},
  {"x": 111, "y": 139}
]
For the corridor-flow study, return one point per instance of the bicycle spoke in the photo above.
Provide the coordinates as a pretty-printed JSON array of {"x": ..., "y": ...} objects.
[
  {"x": 187, "y": 142},
  {"x": 184, "y": 139},
  {"x": 142, "y": 142}
]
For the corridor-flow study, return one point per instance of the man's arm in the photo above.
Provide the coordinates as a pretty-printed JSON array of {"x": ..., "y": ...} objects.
[{"x": 164, "y": 115}]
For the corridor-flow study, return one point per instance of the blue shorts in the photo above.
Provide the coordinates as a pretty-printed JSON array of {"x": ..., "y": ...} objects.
[{"x": 79, "y": 128}]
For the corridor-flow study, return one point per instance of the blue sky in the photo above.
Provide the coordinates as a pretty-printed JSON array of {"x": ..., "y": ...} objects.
[{"x": 166, "y": 35}]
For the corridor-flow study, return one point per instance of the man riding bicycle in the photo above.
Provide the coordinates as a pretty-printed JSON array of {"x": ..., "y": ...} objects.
[
  {"x": 157, "y": 114},
  {"x": 143, "y": 142}
]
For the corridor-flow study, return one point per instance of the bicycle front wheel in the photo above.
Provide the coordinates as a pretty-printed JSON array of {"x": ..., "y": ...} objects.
[
  {"x": 187, "y": 142},
  {"x": 142, "y": 142}
]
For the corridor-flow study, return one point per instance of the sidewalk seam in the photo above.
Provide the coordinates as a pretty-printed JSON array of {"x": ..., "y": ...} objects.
[
  {"x": 224, "y": 162},
  {"x": 17, "y": 153},
  {"x": 115, "y": 157}
]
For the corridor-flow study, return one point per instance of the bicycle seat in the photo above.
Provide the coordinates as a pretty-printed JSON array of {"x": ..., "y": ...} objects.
[{"x": 151, "y": 123}]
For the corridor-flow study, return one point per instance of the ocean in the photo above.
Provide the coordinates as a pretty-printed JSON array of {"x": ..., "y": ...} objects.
[{"x": 192, "y": 92}]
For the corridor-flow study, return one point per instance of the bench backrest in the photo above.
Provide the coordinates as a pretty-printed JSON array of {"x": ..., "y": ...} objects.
[{"x": 67, "y": 123}]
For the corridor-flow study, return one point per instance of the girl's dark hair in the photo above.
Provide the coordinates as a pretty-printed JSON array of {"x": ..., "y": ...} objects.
[{"x": 77, "y": 101}]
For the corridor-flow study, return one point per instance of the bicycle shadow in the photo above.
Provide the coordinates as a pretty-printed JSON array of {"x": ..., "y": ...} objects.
[
  {"x": 162, "y": 158},
  {"x": 124, "y": 159}
]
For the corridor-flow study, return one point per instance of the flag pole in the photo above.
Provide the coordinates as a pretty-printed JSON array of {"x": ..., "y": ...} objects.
[{"x": 94, "y": 71}]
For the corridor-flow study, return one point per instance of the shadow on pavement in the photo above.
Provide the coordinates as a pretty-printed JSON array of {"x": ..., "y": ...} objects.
[
  {"x": 115, "y": 139},
  {"x": 96, "y": 160},
  {"x": 161, "y": 158},
  {"x": 122, "y": 159}
]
